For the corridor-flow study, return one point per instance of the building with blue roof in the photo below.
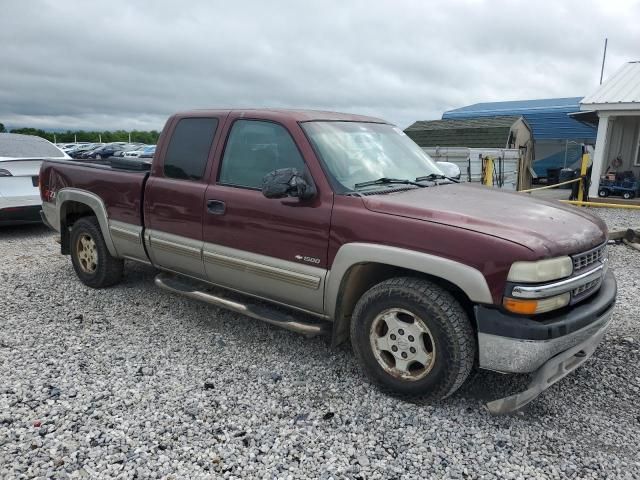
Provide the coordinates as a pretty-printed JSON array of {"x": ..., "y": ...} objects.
[{"x": 558, "y": 137}]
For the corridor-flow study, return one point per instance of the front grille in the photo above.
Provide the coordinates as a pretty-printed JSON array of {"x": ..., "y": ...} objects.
[
  {"x": 584, "y": 260},
  {"x": 583, "y": 291}
]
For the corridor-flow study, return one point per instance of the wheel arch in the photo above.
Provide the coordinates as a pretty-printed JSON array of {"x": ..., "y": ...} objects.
[
  {"x": 358, "y": 267},
  {"x": 72, "y": 204}
]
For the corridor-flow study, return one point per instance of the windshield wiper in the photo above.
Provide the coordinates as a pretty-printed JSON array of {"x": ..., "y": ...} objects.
[
  {"x": 387, "y": 181},
  {"x": 436, "y": 176}
]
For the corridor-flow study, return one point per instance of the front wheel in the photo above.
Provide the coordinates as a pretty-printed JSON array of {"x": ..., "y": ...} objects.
[
  {"x": 413, "y": 337},
  {"x": 90, "y": 257},
  {"x": 603, "y": 193}
]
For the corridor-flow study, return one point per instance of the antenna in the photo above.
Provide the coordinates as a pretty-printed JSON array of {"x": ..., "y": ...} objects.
[{"x": 604, "y": 57}]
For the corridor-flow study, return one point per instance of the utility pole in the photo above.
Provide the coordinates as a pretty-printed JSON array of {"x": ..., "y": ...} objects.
[
  {"x": 604, "y": 56},
  {"x": 129, "y": 137},
  {"x": 54, "y": 138}
]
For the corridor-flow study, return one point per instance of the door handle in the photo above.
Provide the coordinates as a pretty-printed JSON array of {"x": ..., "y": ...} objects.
[{"x": 216, "y": 207}]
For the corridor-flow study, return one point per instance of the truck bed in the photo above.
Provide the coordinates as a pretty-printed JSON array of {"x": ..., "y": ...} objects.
[{"x": 120, "y": 186}]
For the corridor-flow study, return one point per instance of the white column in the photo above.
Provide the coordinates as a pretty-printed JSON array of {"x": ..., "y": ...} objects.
[{"x": 599, "y": 154}]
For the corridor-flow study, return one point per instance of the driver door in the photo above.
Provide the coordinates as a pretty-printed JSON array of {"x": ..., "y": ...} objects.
[{"x": 273, "y": 249}]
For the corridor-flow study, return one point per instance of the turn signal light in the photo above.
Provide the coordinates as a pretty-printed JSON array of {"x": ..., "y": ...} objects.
[
  {"x": 523, "y": 307},
  {"x": 530, "y": 307}
]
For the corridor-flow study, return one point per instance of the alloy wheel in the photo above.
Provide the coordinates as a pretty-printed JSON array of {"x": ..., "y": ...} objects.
[
  {"x": 402, "y": 344},
  {"x": 87, "y": 253}
]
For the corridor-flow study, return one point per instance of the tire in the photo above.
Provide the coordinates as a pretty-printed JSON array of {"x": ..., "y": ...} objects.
[
  {"x": 411, "y": 304},
  {"x": 90, "y": 257},
  {"x": 627, "y": 195},
  {"x": 603, "y": 193}
]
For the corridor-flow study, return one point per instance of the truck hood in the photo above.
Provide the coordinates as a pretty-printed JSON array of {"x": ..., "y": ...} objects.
[{"x": 548, "y": 228}]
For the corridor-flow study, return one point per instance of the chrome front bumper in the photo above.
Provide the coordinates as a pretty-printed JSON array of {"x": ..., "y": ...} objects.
[
  {"x": 549, "y": 349},
  {"x": 514, "y": 355},
  {"x": 552, "y": 371}
]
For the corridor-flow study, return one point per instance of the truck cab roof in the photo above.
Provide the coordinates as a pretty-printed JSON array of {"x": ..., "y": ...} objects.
[{"x": 283, "y": 114}]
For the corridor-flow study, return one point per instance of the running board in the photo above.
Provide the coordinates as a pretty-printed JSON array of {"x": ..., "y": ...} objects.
[{"x": 231, "y": 301}]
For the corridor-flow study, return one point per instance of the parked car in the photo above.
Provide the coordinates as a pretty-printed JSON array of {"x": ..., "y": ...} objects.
[
  {"x": 105, "y": 151},
  {"x": 20, "y": 159},
  {"x": 79, "y": 150},
  {"x": 62, "y": 146},
  {"x": 339, "y": 224},
  {"x": 86, "y": 153},
  {"x": 127, "y": 147},
  {"x": 69, "y": 146},
  {"x": 148, "y": 152},
  {"x": 135, "y": 152}
]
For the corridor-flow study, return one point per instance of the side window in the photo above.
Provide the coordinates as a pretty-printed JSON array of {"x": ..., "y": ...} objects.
[
  {"x": 189, "y": 147},
  {"x": 254, "y": 149}
]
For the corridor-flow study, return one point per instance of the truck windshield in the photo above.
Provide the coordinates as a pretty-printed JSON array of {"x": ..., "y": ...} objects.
[{"x": 356, "y": 153}]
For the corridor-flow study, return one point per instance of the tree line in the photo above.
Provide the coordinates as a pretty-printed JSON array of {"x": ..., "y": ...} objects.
[{"x": 138, "y": 136}]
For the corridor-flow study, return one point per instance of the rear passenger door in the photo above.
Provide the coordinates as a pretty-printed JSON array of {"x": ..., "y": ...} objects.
[
  {"x": 174, "y": 196},
  {"x": 274, "y": 249}
]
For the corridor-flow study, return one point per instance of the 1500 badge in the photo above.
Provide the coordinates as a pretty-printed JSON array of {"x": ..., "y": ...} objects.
[{"x": 307, "y": 259}]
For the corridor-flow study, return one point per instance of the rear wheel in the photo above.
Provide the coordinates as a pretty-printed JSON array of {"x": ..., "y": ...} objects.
[
  {"x": 90, "y": 257},
  {"x": 627, "y": 195},
  {"x": 413, "y": 337}
]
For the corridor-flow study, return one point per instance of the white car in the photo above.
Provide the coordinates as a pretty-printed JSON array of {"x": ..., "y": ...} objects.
[
  {"x": 136, "y": 152},
  {"x": 70, "y": 146},
  {"x": 20, "y": 159}
]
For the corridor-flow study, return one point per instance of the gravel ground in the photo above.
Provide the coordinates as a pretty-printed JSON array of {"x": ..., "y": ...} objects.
[{"x": 133, "y": 382}]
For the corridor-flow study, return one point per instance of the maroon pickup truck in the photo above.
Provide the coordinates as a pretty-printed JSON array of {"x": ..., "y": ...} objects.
[{"x": 339, "y": 224}]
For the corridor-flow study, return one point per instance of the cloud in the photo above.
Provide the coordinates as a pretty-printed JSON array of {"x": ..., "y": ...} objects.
[{"x": 121, "y": 64}]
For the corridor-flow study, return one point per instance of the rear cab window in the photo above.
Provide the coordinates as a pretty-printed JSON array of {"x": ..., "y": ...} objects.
[{"x": 189, "y": 148}]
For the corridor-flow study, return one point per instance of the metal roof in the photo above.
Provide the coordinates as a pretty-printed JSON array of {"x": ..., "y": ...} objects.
[
  {"x": 621, "y": 91},
  {"x": 498, "y": 121},
  {"x": 548, "y": 118},
  {"x": 492, "y": 132}
]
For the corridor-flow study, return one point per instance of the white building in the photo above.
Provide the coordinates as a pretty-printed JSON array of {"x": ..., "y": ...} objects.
[{"x": 617, "y": 105}]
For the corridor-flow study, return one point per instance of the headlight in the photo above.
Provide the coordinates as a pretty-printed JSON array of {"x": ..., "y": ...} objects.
[{"x": 541, "y": 271}]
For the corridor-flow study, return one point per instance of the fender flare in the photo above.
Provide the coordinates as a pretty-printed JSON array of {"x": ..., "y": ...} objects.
[
  {"x": 470, "y": 280},
  {"x": 95, "y": 203}
]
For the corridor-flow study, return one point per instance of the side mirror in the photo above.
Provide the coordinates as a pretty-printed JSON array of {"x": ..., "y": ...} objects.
[
  {"x": 451, "y": 170},
  {"x": 287, "y": 182}
]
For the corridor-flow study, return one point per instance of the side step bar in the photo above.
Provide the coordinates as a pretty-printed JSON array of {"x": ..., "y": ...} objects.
[{"x": 265, "y": 313}]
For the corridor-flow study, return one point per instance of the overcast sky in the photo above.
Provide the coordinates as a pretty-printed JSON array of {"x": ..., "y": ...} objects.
[{"x": 125, "y": 64}]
